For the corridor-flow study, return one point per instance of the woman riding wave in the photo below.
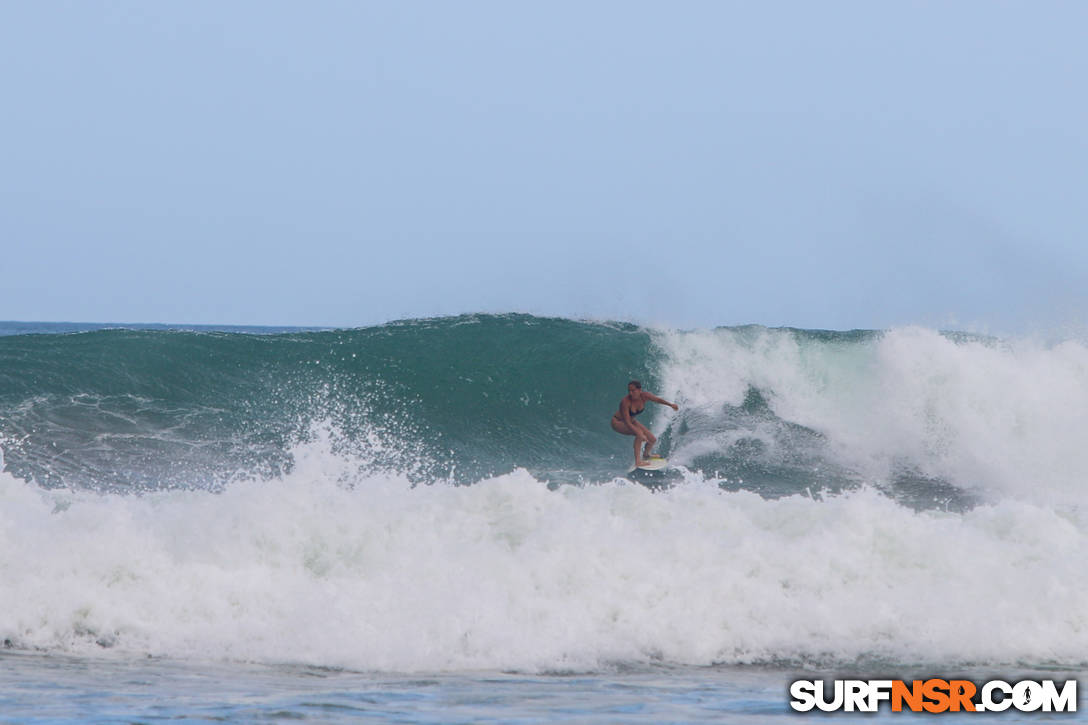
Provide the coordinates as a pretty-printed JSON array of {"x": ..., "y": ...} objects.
[{"x": 623, "y": 421}]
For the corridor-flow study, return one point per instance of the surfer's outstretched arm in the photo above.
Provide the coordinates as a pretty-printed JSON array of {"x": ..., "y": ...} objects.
[{"x": 651, "y": 396}]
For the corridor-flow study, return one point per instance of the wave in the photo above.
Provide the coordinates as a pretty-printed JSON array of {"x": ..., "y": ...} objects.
[
  {"x": 447, "y": 494},
  {"x": 934, "y": 419}
]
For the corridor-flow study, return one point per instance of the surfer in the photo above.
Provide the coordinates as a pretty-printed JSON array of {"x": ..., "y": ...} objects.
[{"x": 623, "y": 421}]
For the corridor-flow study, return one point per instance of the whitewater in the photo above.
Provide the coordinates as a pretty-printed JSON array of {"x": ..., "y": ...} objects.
[{"x": 442, "y": 498}]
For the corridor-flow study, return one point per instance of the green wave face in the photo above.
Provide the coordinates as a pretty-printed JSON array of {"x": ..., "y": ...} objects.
[
  {"x": 456, "y": 398},
  {"x": 932, "y": 418}
]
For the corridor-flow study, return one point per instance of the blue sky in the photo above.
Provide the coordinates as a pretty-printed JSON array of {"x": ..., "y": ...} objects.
[{"x": 832, "y": 164}]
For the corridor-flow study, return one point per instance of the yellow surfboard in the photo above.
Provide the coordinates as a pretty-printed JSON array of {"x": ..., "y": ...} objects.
[{"x": 654, "y": 464}]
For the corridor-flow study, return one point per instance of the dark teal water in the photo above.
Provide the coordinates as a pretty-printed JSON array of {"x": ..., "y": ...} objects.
[{"x": 462, "y": 397}]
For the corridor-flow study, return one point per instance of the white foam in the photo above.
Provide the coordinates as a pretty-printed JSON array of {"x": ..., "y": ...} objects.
[
  {"x": 509, "y": 574},
  {"x": 1004, "y": 418}
]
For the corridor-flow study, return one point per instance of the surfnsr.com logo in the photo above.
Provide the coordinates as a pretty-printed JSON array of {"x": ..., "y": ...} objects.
[{"x": 933, "y": 695}]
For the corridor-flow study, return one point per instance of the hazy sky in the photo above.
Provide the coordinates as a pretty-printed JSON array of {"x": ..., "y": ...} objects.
[{"x": 816, "y": 164}]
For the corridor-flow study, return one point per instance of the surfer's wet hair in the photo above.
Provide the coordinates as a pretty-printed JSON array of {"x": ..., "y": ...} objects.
[{"x": 636, "y": 383}]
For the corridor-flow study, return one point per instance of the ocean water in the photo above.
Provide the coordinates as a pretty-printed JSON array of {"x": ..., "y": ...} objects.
[{"x": 431, "y": 520}]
